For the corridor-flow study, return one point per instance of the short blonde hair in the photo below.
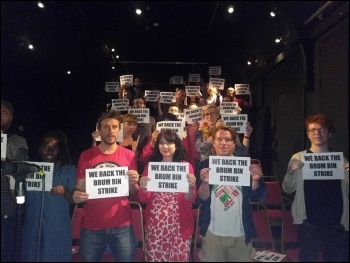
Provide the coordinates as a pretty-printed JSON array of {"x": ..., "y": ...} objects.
[
  {"x": 130, "y": 118},
  {"x": 208, "y": 107}
]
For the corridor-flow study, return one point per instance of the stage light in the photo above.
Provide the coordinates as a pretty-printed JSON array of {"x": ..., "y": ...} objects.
[
  {"x": 41, "y": 5},
  {"x": 230, "y": 9},
  {"x": 138, "y": 11}
]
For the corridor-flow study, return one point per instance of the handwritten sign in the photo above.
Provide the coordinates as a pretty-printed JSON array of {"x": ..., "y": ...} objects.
[
  {"x": 141, "y": 114},
  {"x": 323, "y": 166},
  {"x": 168, "y": 177},
  {"x": 237, "y": 121},
  {"x": 241, "y": 89},
  {"x": 111, "y": 86},
  {"x": 107, "y": 182},
  {"x": 3, "y": 146},
  {"x": 229, "y": 170},
  {"x": 35, "y": 181}
]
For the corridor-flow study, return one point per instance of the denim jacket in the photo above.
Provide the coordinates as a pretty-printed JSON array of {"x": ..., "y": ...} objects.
[{"x": 249, "y": 195}]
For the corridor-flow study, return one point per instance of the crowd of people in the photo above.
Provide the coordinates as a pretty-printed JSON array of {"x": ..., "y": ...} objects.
[{"x": 320, "y": 208}]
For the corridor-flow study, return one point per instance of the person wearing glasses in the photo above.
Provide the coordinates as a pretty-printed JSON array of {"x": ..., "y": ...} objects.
[
  {"x": 225, "y": 219},
  {"x": 204, "y": 134},
  {"x": 320, "y": 207}
]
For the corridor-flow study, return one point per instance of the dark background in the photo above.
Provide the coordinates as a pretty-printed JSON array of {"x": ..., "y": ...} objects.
[{"x": 306, "y": 73}]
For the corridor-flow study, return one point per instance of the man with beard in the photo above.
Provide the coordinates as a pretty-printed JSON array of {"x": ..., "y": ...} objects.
[{"x": 106, "y": 220}]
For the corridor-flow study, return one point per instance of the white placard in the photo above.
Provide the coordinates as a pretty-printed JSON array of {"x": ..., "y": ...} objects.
[
  {"x": 176, "y": 126},
  {"x": 241, "y": 89},
  {"x": 126, "y": 80},
  {"x": 178, "y": 80},
  {"x": 219, "y": 84},
  {"x": 196, "y": 78},
  {"x": 120, "y": 104},
  {"x": 167, "y": 97},
  {"x": 193, "y": 115},
  {"x": 228, "y": 107},
  {"x": 111, "y": 86},
  {"x": 215, "y": 71},
  {"x": 229, "y": 170},
  {"x": 237, "y": 121},
  {"x": 107, "y": 182},
  {"x": 168, "y": 177},
  {"x": 141, "y": 114},
  {"x": 34, "y": 181},
  {"x": 192, "y": 91},
  {"x": 323, "y": 166},
  {"x": 151, "y": 95},
  {"x": 3, "y": 146}
]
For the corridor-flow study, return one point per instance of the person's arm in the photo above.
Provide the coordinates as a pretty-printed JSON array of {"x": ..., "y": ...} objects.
[
  {"x": 133, "y": 181},
  {"x": 248, "y": 132},
  {"x": 203, "y": 190},
  {"x": 250, "y": 102},
  {"x": 78, "y": 194},
  {"x": 94, "y": 135},
  {"x": 160, "y": 111}
]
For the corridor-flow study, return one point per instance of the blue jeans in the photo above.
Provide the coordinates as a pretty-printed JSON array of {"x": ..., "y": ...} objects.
[{"x": 121, "y": 240}]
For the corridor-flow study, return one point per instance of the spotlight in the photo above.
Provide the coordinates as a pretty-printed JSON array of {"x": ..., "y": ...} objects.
[
  {"x": 41, "y": 5},
  {"x": 138, "y": 11},
  {"x": 272, "y": 13},
  {"x": 230, "y": 9}
]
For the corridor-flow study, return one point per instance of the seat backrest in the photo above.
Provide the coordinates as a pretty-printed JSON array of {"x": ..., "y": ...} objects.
[
  {"x": 254, "y": 161},
  {"x": 262, "y": 225},
  {"x": 76, "y": 222},
  {"x": 273, "y": 195},
  {"x": 137, "y": 222}
]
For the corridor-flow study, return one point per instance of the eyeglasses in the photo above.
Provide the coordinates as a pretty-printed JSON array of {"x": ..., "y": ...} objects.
[
  {"x": 211, "y": 114},
  {"x": 320, "y": 130},
  {"x": 226, "y": 140}
]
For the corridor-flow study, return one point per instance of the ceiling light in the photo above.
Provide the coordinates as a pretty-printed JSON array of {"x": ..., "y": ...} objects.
[
  {"x": 68, "y": 72},
  {"x": 138, "y": 11},
  {"x": 112, "y": 49},
  {"x": 272, "y": 13},
  {"x": 277, "y": 40},
  {"x": 230, "y": 9},
  {"x": 117, "y": 56},
  {"x": 112, "y": 67},
  {"x": 30, "y": 46},
  {"x": 249, "y": 63},
  {"x": 41, "y": 5}
]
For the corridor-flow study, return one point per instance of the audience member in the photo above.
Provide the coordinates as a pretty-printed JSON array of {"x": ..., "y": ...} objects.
[
  {"x": 47, "y": 231},
  {"x": 168, "y": 218},
  {"x": 16, "y": 150},
  {"x": 320, "y": 207},
  {"x": 106, "y": 220},
  {"x": 225, "y": 219},
  {"x": 129, "y": 129}
]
